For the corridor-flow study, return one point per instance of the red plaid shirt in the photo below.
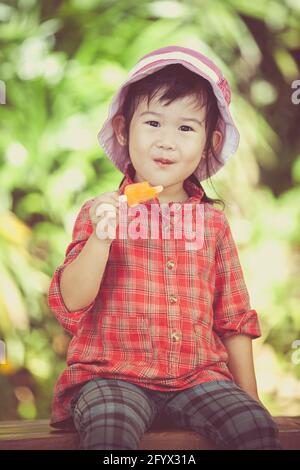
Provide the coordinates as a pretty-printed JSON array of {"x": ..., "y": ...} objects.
[{"x": 160, "y": 313}]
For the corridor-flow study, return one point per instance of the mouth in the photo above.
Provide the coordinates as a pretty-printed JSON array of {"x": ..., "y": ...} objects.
[{"x": 163, "y": 161}]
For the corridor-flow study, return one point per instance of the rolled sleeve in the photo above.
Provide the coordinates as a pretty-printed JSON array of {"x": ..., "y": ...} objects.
[
  {"x": 81, "y": 232},
  {"x": 232, "y": 311}
]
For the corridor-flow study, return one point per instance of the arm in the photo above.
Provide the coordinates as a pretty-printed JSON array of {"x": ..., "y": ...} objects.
[
  {"x": 234, "y": 320},
  {"x": 240, "y": 362},
  {"x": 85, "y": 246},
  {"x": 81, "y": 279}
]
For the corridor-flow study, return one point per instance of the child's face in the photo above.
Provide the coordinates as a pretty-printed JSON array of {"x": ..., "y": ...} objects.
[{"x": 167, "y": 136}]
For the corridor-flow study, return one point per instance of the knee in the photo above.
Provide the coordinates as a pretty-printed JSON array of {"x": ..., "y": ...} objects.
[
  {"x": 109, "y": 426},
  {"x": 258, "y": 432},
  {"x": 269, "y": 432}
]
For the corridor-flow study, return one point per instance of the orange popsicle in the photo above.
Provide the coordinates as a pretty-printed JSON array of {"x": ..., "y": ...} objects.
[{"x": 141, "y": 192}]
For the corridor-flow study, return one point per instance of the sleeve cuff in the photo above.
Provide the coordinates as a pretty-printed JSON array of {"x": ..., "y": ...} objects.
[
  {"x": 242, "y": 324},
  {"x": 56, "y": 302}
]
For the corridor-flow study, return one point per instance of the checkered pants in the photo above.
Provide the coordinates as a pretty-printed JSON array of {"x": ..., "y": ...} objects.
[{"x": 114, "y": 414}]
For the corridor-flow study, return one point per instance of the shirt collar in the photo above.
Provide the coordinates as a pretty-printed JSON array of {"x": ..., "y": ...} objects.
[{"x": 195, "y": 192}]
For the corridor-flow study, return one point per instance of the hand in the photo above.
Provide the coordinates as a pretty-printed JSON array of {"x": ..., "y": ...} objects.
[{"x": 104, "y": 215}]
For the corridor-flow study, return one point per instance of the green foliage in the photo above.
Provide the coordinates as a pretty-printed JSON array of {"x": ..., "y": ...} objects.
[{"x": 61, "y": 62}]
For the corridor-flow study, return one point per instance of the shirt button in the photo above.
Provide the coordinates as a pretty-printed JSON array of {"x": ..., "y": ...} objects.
[
  {"x": 176, "y": 336},
  {"x": 173, "y": 299},
  {"x": 170, "y": 264}
]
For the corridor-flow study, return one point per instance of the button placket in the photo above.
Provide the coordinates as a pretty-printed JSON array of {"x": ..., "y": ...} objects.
[
  {"x": 174, "y": 318},
  {"x": 173, "y": 307}
]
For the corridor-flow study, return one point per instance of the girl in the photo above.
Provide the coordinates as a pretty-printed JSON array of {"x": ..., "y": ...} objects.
[{"x": 159, "y": 328}]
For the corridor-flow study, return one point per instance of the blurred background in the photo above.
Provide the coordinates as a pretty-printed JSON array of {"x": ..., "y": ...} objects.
[{"x": 60, "y": 64}]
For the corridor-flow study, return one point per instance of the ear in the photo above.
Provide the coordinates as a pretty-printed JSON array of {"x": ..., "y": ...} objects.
[
  {"x": 217, "y": 140},
  {"x": 118, "y": 124}
]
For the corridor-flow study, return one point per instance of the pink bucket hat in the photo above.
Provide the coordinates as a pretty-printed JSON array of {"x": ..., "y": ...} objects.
[{"x": 197, "y": 63}]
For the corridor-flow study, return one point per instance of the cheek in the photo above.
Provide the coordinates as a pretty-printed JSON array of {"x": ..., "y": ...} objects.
[
  {"x": 139, "y": 148},
  {"x": 195, "y": 148},
  {"x": 192, "y": 150},
  {"x": 192, "y": 157},
  {"x": 139, "y": 136}
]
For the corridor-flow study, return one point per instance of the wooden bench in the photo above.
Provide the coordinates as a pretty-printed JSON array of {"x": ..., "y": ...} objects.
[{"x": 38, "y": 435}]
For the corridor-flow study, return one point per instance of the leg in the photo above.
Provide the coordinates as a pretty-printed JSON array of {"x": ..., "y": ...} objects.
[
  {"x": 225, "y": 413},
  {"x": 112, "y": 414}
]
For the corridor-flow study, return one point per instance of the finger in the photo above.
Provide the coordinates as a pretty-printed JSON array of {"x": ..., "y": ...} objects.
[
  {"x": 113, "y": 195},
  {"x": 94, "y": 219},
  {"x": 106, "y": 228},
  {"x": 116, "y": 195},
  {"x": 105, "y": 207},
  {"x": 111, "y": 215},
  {"x": 110, "y": 204},
  {"x": 122, "y": 198},
  {"x": 105, "y": 197}
]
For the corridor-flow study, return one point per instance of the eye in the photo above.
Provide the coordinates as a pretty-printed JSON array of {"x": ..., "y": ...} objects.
[
  {"x": 188, "y": 127},
  {"x": 151, "y": 121},
  {"x": 147, "y": 122}
]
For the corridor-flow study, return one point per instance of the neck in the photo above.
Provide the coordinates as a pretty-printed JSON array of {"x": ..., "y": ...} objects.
[{"x": 168, "y": 196}]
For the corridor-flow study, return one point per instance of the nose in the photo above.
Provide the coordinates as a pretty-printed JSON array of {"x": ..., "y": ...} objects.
[
  {"x": 166, "y": 139},
  {"x": 166, "y": 145}
]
